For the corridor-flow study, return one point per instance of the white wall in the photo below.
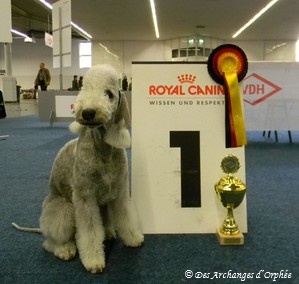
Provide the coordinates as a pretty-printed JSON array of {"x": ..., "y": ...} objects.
[
  {"x": 280, "y": 51},
  {"x": 26, "y": 57},
  {"x": 254, "y": 50},
  {"x": 124, "y": 52}
]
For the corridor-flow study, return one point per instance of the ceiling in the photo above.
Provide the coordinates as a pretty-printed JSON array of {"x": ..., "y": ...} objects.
[{"x": 131, "y": 19}]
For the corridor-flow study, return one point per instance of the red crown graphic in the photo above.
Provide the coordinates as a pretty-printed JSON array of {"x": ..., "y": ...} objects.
[{"x": 186, "y": 78}]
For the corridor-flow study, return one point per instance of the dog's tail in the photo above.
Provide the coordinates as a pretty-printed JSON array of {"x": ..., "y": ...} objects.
[{"x": 25, "y": 229}]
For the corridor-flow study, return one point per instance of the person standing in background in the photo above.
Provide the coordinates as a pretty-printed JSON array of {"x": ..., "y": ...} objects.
[
  {"x": 75, "y": 84},
  {"x": 80, "y": 82},
  {"x": 43, "y": 78},
  {"x": 124, "y": 83}
]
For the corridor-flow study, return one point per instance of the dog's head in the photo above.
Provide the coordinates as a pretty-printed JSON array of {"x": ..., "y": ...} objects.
[{"x": 101, "y": 104}]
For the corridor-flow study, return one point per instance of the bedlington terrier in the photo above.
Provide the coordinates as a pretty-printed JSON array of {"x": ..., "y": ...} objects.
[{"x": 89, "y": 196}]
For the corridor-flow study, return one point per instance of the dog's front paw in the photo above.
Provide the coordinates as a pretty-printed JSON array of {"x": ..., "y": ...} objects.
[
  {"x": 134, "y": 240},
  {"x": 65, "y": 251},
  {"x": 94, "y": 264}
]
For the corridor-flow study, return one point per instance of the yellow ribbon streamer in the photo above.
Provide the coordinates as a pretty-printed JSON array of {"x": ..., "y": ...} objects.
[
  {"x": 237, "y": 116},
  {"x": 230, "y": 63}
]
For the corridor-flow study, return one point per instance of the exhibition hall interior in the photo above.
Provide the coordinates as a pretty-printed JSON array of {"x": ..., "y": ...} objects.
[{"x": 152, "y": 141}]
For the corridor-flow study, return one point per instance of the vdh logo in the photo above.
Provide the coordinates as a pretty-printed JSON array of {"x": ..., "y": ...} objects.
[
  {"x": 257, "y": 89},
  {"x": 182, "y": 90}
]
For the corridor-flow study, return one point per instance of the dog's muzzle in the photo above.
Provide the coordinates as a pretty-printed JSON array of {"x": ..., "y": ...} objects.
[
  {"x": 92, "y": 117},
  {"x": 88, "y": 114}
]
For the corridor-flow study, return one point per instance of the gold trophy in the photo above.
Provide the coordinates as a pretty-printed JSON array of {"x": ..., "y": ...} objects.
[{"x": 230, "y": 191}]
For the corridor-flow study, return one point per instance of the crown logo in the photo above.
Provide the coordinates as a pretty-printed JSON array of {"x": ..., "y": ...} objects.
[{"x": 186, "y": 78}]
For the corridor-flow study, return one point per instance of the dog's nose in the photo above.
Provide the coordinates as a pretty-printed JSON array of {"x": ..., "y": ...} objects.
[{"x": 88, "y": 114}]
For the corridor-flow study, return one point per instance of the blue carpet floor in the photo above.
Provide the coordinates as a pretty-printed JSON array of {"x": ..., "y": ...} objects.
[{"x": 271, "y": 245}]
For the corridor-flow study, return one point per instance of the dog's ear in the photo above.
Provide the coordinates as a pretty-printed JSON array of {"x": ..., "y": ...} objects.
[
  {"x": 123, "y": 111},
  {"x": 117, "y": 134}
]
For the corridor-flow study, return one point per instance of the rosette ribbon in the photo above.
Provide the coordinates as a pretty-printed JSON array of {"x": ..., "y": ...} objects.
[{"x": 227, "y": 65}]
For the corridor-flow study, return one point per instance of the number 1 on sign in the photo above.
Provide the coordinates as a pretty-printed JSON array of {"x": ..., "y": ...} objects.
[{"x": 188, "y": 142}]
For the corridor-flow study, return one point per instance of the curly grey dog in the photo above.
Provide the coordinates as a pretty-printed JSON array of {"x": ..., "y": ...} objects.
[{"x": 89, "y": 196}]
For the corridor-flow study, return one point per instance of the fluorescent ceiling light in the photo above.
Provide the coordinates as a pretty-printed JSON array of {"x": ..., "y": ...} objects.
[
  {"x": 26, "y": 37},
  {"x": 19, "y": 33},
  {"x": 154, "y": 15},
  {"x": 252, "y": 20},
  {"x": 46, "y": 4},
  {"x": 75, "y": 26},
  {"x": 80, "y": 30}
]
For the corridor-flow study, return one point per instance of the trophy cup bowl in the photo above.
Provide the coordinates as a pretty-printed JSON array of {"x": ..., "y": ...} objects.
[{"x": 230, "y": 191}]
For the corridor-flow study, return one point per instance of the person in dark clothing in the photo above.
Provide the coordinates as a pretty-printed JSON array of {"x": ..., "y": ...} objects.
[
  {"x": 75, "y": 84},
  {"x": 43, "y": 78},
  {"x": 124, "y": 84},
  {"x": 80, "y": 82}
]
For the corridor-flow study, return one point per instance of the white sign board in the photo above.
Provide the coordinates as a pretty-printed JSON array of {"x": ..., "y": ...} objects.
[
  {"x": 64, "y": 106},
  {"x": 178, "y": 142},
  {"x": 271, "y": 96}
]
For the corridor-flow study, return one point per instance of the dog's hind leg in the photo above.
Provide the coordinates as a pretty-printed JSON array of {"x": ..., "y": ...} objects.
[{"x": 57, "y": 224}]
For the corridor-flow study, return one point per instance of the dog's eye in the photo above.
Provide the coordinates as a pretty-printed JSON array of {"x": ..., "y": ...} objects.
[{"x": 109, "y": 94}]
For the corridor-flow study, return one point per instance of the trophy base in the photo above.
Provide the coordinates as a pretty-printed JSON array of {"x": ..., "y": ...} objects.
[{"x": 230, "y": 240}]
